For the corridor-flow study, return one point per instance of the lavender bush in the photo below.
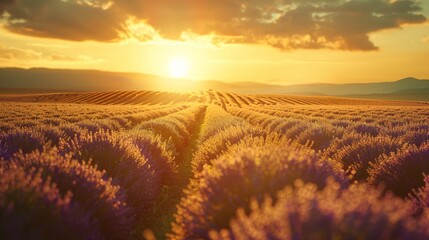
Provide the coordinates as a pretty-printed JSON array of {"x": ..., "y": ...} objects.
[
  {"x": 403, "y": 171},
  {"x": 21, "y": 139},
  {"x": 33, "y": 208},
  {"x": 92, "y": 193},
  {"x": 122, "y": 161},
  {"x": 305, "y": 213},
  {"x": 211, "y": 200}
]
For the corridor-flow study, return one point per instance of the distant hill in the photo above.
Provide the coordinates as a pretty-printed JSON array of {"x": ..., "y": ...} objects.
[
  {"x": 41, "y": 79},
  {"x": 362, "y": 88},
  {"x": 50, "y": 80},
  {"x": 411, "y": 94}
]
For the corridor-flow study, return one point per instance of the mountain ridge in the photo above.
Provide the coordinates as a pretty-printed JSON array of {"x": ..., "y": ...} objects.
[{"x": 67, "y": 80}]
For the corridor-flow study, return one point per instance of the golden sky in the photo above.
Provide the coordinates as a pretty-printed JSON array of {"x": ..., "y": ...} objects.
[{"x": 271, "y": 41}]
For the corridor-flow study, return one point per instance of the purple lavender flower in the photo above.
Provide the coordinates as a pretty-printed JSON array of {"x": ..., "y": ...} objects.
[
  {"x": 403, "y": 171},
  {"x": 93, "y": 193},
  {"x": 212, "y": 199},
  {"x": 357, "y": 158},
  {"x": 122, "y": 161},
  {"x": 21, "y": 139},
  {"x": 305, "y": 213},
  {"x": 33, "y": 208}
]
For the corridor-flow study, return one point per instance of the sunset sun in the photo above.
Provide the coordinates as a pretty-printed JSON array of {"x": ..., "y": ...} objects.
[{"x": 178, "y": 67}]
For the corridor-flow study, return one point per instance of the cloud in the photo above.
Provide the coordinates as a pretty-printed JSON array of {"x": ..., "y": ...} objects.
[
  {"x": 12, "y": 53},
  {"x": 65, "y": 58},
  {"x": 51, "y": 46},
  {"x": 5, "y": 3},
  {"x": 64, "y": 19},
  {"x": 285, "y": 24}
]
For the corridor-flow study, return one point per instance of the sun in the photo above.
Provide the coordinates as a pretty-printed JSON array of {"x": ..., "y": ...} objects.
[{"x": 178, "y": 67}]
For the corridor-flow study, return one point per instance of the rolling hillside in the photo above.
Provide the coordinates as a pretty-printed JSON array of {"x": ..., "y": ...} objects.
[
  {"x": 14, "y": 80},
  {"x": 411, "y": 94},
  {"x": 205, "y": 97}
]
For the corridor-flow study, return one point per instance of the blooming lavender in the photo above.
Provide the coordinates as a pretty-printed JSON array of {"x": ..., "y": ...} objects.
[
  {"x": 159, "y": 153},
  {"x": 366, "y": 128},
  {"x": 99, "y": 124},
  {"x": 94, "y": 194},
  {"x": 21, "y": 139},
  {"x": 52, "y": 133},
  {"x": 211, "y": 199},
  {"x": 122, "y": 161},
  {"x": 168, "y": 130},
  {"x": 420, "y": 199},
  {"x": 213, "y": 147},
  {"x": 305, "y": 213},
  {"x": 216, "y": 120},
  {"x": 94, "y": 171},
  {"x": 320, "y": 135},
  {"x": 33, "y": 208},
  {"x": 417, "y": 137},
  {"x": 403, "y": 171},
  {"x": 177, "y": 126},
  {"x": 71, "y": 131},
  {"x": 357, "y": 158}
]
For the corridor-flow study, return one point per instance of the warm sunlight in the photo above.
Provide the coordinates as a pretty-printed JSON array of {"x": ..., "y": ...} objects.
[
  {"x": 204, "y": 119},
  {"x": 178, "y": 67}
]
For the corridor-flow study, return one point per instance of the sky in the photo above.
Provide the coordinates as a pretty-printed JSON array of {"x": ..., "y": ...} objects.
[{"x": 269, "y": 41}]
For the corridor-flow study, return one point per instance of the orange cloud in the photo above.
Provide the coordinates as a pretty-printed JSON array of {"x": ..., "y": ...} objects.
[
  {"x": 65, "y": 58},
  {"x": 12, "y": 53},
  {"x": 74, "y": 20},
  {"x": 284, "y": 24}
]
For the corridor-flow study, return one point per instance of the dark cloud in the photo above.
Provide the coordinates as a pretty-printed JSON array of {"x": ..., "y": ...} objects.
[
  {"x": 4, "y": 3},
  {"x": 64, "y": 19},
  {"x": 285, "y": 24}
]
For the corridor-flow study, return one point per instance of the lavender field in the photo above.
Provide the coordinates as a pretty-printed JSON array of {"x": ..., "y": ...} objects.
[{"x": 212, "y": 165}]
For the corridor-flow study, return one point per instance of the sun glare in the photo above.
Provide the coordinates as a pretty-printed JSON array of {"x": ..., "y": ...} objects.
[{"x": 178, "y": 67}]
